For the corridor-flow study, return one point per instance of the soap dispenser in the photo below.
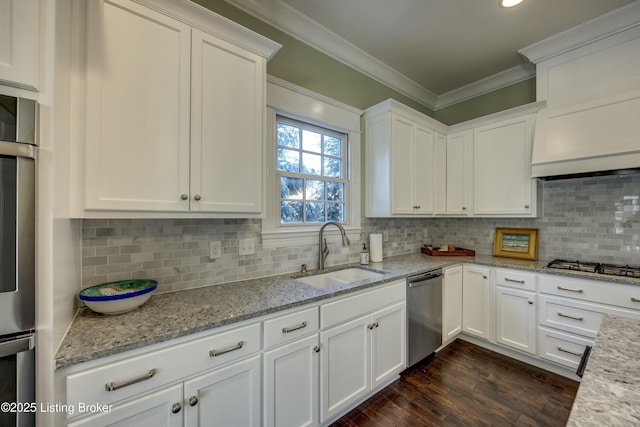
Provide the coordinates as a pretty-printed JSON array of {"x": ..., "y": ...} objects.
[{"x": 364, "y": 255}]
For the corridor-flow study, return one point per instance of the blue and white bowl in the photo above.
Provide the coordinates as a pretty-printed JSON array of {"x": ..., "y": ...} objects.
[{"x": 118, "y": 297}]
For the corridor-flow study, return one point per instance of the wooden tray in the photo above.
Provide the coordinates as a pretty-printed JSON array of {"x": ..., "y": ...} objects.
[{"x": 456, "y": 252}]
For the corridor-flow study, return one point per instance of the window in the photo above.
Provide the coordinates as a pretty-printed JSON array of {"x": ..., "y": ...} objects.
[
  {"x": 312, "y": 166},
  {"x": 312, "y": 172}
]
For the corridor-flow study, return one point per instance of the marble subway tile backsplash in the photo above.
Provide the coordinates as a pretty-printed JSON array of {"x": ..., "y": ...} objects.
[{"x": 588, "y": 218}]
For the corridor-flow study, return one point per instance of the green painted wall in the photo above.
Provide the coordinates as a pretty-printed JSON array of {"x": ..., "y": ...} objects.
[
  {"x": 492, "y": 102},
  {"x": 305, "y": 66}
]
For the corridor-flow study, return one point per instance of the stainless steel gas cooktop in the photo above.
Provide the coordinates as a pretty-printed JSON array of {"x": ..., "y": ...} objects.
[{"x": 596, "y": 267}]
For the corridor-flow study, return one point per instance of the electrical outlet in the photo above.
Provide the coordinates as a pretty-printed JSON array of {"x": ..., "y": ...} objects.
[
  {"x": 215, "y": 250},
  {"x": 246, "y": 247}
]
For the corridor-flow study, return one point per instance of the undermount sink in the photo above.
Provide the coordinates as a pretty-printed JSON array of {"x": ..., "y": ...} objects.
[{"x": 340, "y": 277}]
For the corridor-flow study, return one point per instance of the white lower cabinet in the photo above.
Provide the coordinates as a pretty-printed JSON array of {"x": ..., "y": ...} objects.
[
  {"x": 476, "y": 301},
  {"x": 229, "y": 396},
  {"x": 451, "y": 304},
  {"x": 360, "y": 355},
  {"x": 516, "y": 319},
  {"x": 292, "y": 384},
  {"x": 162, "y": 408}
]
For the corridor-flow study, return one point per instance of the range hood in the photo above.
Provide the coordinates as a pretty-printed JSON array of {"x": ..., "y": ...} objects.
[{"x": 595, "y": 138}]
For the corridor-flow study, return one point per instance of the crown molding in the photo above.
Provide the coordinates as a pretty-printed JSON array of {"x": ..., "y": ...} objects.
[
  {"x": 299, "y": 26},
  {"x": 586, "y": 33},
  {"x": 497, "y": 81}
]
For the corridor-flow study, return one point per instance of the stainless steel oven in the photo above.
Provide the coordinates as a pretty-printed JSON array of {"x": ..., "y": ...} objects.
[{"x": 18, "y": 118}]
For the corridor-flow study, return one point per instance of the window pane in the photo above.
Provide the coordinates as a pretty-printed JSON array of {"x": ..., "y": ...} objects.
[
  {"x": 311, "y": 141},
  {"x": 332, "y": 167},
  {"x": 288, "y": 136},
  {"x": 335, "y": 191},
  {"x": 314, "y": 212},
  {"x": 311, "y": 164},
  {"x": 315, "y": 189},
  {"x": 288, "y": 160},
  {"x": 335, "y": 212},
  {"x": 290, "y": 212},
  {"x": 291, "y": 188},
  {"x": 332, "y": 146}
]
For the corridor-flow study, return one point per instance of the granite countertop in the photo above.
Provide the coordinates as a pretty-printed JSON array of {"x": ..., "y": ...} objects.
[
  {"x": 609, "y": 394},
  {"x": 176, "y": 314}
]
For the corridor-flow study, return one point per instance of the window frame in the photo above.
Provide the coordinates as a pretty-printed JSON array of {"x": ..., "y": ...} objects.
[
  {"x": 291, "y": 101},
  {"x": 344, "y": 177}
]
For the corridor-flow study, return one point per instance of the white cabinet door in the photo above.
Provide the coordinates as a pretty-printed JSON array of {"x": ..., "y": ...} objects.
[
  {"x": 459, "y": 174},
  {"x": 229, "y": 396},
  {"x": 388, "y": 346},
  {"x": 162, "y": 408},
  {"x": 516, "y": 319},
  {"x": 424, "y": 171},
  {"x": 344, "y": 365},
  {"x": 502, "y": 182},
  {"x": 291, "y": 384},
  {"x": 19, "y": 47},
  {"x": 138, "y": 90},
  {"x": 452, "y": 304},
  {"x": 476, "y": 303},
  {"x": 402, "y": 166},
  {"x": 440, "y": 171},
  {"x": 227, "y": 127}
]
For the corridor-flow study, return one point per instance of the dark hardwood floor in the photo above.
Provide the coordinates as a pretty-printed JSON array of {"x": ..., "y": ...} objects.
[{"x": 467, "y": 385}]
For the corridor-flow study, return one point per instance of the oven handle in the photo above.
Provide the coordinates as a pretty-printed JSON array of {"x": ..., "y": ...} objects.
[{"x": 18, "y": 345}]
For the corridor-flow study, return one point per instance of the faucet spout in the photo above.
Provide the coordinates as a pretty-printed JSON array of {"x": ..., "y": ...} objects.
[{"x": 323, "y": 249}]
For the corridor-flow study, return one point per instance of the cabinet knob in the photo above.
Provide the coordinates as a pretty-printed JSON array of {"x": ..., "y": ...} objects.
[
  {"x": 176, "y": 407},
  {"x": 531, "y": 302},
  {"x": 464, "y": 208},
  {"x": 416, "y": 207},
  {"x": 484, "y": 276},
  {"x": 184, "y": 196},
  {"x": 196, "y": 197},
  {"x": 526, "y": 206},
  {"x": 316, "y": 349},
  {"x": 193, "y": 401}
]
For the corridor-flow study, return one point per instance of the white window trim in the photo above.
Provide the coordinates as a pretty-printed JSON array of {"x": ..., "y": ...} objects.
[{"x": 301, "y": 104}]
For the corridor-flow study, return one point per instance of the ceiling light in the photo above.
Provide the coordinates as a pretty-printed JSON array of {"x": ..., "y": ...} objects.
[{"x": 510, "y": 3}]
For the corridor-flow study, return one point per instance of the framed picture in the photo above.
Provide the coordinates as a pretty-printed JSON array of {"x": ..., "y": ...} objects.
[{"x": 516, "y": 243}]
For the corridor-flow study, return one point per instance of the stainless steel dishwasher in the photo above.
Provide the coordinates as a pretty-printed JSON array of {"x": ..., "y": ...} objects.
[{"x": 424, "y": 315}]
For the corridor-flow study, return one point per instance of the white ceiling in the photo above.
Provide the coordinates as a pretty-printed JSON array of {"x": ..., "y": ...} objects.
[{"x": 435, "y": 51}]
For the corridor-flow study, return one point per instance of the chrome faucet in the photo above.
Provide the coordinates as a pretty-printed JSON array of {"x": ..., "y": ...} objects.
[{"x": 323, "y": 249}]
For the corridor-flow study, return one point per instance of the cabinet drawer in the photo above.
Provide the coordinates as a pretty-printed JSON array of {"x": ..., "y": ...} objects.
[
  {"x": 132, "y": 376},
  {"x": 357, "y": 305},
  {"x": 562, "y": 348},
  {"x": 294, "y": 325},
  {"x": 572, "y": 316},
  {"x": 621, "y": 295},
  {"x": 516, "y": 279}
]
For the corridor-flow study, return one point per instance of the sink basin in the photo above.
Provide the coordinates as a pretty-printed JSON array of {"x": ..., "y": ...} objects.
[{"x": 340, "y": 277}]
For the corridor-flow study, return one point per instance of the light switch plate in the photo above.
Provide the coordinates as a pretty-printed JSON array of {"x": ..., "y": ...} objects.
[
  {"x": 246, "y": 247},
  {"x": 215, "y": 250}
]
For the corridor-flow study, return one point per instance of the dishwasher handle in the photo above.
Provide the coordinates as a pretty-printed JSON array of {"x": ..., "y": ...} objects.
[{"x": 421, "y": 280}]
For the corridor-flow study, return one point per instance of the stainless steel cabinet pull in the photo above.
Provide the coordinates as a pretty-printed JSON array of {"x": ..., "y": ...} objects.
[
  {"x": 288, "y": 329},
  {"x": 193, "y": 401},
  {"x": 214, "y": 353},
  {"x": 197, "y": 197},
  {"x": 184, "y": 196},
  {"x": 176, "y": 407},
  {"x": 568, "y": 316},
  {"x": 112, "y": 386},
  {"x": 633, "y": 299},
  {"x": 570, "y": 289},
  {"x": 316, "y": 349},
  {"x": 506, "y": 279},
  {"x": 564, "y": 350}
]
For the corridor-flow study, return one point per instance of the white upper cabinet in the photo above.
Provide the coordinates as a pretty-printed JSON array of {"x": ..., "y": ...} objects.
[
  {"x": 502, "y": 183},
  {"x": 459, "y": 173},
  {"x": 175, "y": 116},
  {"x": 19, "y": 43},
  {"x": 400, "y": 161}
]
